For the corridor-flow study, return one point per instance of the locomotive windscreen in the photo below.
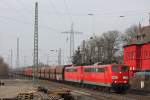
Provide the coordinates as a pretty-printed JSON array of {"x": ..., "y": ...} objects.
[
  {"x": 115, "y": 69},
  {"x": 124, "y": 68}
]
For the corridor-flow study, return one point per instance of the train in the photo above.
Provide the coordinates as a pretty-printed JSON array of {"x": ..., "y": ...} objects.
[
  {"x": 133, "y": 73},
  {"x": 109, "y": 77}
]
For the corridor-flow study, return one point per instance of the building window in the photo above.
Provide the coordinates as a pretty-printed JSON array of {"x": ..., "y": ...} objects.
[
  {"x": 143, "y": 36},
  {"x": 145, "y": 54}
]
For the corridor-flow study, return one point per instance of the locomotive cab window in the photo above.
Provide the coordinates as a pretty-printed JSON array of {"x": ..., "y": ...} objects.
[
  {"x": 71, "y": 70},
  {"x": 86, "y": 70},
  {"x": 115, "y": 69},
  {"x": 74, "y": 70},
  {"x": 124, "y": 68}
]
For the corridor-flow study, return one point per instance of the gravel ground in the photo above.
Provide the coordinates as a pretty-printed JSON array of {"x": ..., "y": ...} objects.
[
  {"x": 13, "y": 87},
  {"x": 90, "y": 94}
]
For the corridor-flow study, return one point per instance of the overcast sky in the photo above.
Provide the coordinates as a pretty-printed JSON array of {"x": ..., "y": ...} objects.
[{"x": 56, "y": 16}]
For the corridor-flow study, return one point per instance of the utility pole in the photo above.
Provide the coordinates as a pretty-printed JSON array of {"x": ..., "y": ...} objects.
[
  {"x": 149, "y": 18},
  {"x": 35, "y": 56},
  {"x": 72, "y": 32},
  {"x": 11, "y": 54},
  {"x": 17, "y": 60},
  {"x": 47, "y": 59},
  {"x": 92, "y": 23},
  {"x": 83, "y": 52},
  {"x": 24, "y": 60},
  {"x": 59, "y": 56}
]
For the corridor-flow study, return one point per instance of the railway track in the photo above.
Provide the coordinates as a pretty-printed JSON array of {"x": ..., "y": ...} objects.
[
  {"x": 94, "y": 94},
  {"x": 139, "y": 95}
]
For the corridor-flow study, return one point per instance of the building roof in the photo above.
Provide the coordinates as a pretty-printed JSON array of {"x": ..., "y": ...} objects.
[{"x": 143, "y": 36}]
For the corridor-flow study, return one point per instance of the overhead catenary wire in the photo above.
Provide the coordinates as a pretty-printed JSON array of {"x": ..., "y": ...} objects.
[
  {"x": 96, "y": 12},
  {"x": 53, "y": 6},
  {"x": 67, "y": 10},
  {"x": 149, "y": 18},
  {"x": 44, "y": 26},
  {"x": 25, "y": 22},
  {"x": 23, "y": 6},
  {"x": 105, "y": 14},
  {"x": 55, "y": 10},
  {"x": 8, "y": 6}
]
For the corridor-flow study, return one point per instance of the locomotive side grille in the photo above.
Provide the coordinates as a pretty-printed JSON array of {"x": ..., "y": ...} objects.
[
  {"x": 114, "y": 77},
  {"x": 125, "y": 77}
]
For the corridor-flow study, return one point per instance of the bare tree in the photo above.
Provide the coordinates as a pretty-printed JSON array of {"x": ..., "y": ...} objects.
[
  {"x": 131, "y": 32},
  {"x": 111, "y": 45},
  {"x": 3, "y": 69},
  {"x": 77, "y": 58},
  {"x": 107, "y": 48},
  {"x": 104, "y": 49}
]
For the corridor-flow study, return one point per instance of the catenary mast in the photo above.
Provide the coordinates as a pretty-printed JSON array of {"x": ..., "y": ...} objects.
[{"x": 35, "y": 56}]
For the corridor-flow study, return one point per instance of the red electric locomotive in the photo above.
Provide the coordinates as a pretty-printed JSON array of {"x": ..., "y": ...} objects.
[
  {"x": 74, "y": 74},
  {"x": 115, "y": 76}
]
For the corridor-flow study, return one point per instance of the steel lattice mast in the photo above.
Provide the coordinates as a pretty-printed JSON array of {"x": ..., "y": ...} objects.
[
  {"x": 72, "y": 33},
  {"x": 17, "y": 61},
  {"x": 35, "y": 56}
]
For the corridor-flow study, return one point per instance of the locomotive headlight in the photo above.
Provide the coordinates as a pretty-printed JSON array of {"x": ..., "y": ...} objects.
[
  {"x": 125, "y": 81},
  {"x": 125, "y": 77},
  {"x": 114, "y": 77}
]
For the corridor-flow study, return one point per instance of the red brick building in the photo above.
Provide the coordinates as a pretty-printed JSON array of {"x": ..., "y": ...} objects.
[{"x": 137, "y": 52}]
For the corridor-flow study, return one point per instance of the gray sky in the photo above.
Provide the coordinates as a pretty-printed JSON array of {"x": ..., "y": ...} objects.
[{"x": 56, "y": 16}]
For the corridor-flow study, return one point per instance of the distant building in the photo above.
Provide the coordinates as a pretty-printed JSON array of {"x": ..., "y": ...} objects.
[
  {"x": 142, "y": 35},
  {"x": 137, "y": 51}
]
